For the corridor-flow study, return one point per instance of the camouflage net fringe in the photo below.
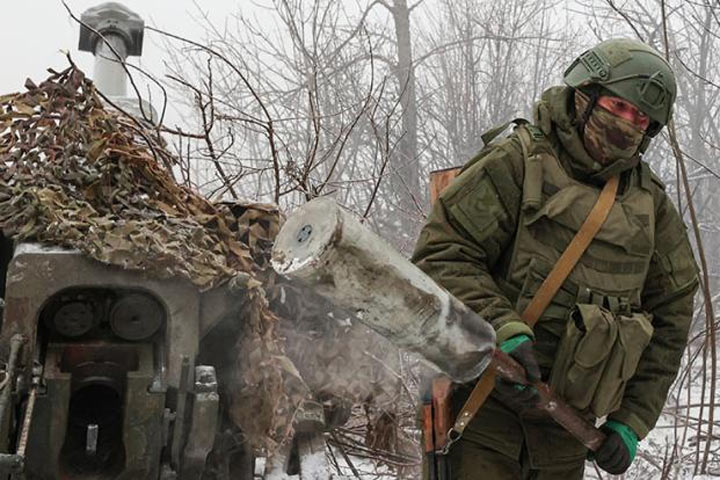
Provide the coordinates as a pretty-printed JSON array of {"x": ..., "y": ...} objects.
[{"x": 78, "y": 175}]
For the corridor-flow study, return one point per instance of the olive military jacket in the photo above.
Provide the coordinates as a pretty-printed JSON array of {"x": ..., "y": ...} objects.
[{"x": 469, "y": 245}]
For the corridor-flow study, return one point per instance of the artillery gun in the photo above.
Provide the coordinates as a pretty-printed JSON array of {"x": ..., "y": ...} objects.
[
  {"x": 110, "y": 373},
  {"x": 107, "y": 361}
]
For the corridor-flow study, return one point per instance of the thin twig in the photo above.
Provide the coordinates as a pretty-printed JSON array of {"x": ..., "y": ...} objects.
[{"x": 345, "y": 455}]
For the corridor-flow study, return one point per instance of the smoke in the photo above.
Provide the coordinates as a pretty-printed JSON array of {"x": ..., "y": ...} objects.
[{"x": 338, "y": 358}]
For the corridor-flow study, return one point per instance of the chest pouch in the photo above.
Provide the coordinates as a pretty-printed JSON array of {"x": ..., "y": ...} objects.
[{"x": 598, "y": 353}]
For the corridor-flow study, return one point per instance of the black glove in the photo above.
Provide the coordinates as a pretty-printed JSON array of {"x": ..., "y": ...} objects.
[
  {"x": 520, "y": 397},
  {"x": 615, "y": 455}
]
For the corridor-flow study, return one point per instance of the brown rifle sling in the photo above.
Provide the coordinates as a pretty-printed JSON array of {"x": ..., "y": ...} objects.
[{"x": 542, "y": 298}]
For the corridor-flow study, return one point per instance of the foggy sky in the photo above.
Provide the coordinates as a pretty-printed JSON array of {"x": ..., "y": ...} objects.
[{"x": 35, "y": 32}]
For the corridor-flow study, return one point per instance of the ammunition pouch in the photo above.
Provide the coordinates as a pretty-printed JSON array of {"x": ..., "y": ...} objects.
[{"x": 598, "y": 353}]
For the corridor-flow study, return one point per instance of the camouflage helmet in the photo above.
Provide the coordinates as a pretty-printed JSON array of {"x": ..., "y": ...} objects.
[{"x": 630, "y": 70}]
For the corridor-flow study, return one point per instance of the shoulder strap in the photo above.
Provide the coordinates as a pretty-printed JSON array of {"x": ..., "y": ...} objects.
[
  {"x": 542, "y": 298},
  {"x": 533, "y": 147},
  {"x": 493, "y": 133}
]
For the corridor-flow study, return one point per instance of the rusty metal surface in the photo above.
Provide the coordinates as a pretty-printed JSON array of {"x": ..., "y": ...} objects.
[
  {"x": 550, "y": 403},
  {"x": 27, "y": 421},
  {"x": 439, "y": 179}
]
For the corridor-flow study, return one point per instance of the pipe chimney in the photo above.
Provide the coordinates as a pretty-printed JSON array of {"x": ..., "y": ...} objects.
[
  {"x": 112, "y": 32},
  {"x": 122, "y": 30}
]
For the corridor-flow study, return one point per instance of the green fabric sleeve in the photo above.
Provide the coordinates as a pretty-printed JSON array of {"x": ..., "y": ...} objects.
[
  {"x": 627, "y": 434},
  {"x": 668, "y": 295},
  {"x": 468, "y": 229}
]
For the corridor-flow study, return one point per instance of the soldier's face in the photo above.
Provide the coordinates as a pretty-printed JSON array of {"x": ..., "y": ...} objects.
[
  {"x": 623, "y": 109},
  {"x": 614, "y": 130}
]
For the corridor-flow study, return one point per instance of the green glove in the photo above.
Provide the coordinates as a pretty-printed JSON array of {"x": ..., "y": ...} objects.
[
  {"x": 618, "y": 450},
  {"x": 513, "y": 342},
  {"x": 520, "y": 397},
  {"x": 627, "y": 434},
  {"x": 520, "y": 348}
]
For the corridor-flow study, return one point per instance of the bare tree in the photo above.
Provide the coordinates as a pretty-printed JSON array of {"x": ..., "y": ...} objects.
[
  {"x": 686, "y": 32},
  {"x": 485, "y": 64}
]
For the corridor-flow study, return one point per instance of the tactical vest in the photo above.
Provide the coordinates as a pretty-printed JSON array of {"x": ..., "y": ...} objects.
[{"x": 612, "y": 271}]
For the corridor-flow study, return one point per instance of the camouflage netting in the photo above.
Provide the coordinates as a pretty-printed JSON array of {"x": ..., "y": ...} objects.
[{"x": 76, "y": 174}]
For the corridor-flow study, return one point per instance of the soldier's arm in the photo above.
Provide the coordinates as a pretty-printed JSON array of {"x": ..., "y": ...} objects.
[
  {"x": 469, "y": 226},
  {"x": 668, "y": 295}
]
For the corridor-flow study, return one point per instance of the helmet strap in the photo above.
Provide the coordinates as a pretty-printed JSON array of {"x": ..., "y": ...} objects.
[
  {"x": 593, "y": 93},
  {"x": 653, "y": 129},
  {"x": 651, "y": 132}
]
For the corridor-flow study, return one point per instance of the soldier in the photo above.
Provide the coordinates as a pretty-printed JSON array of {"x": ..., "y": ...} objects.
[{"x": 611, "y": 340}]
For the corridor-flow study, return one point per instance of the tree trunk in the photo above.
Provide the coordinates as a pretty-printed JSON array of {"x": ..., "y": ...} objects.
[{"x": 406, "y": 180}]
